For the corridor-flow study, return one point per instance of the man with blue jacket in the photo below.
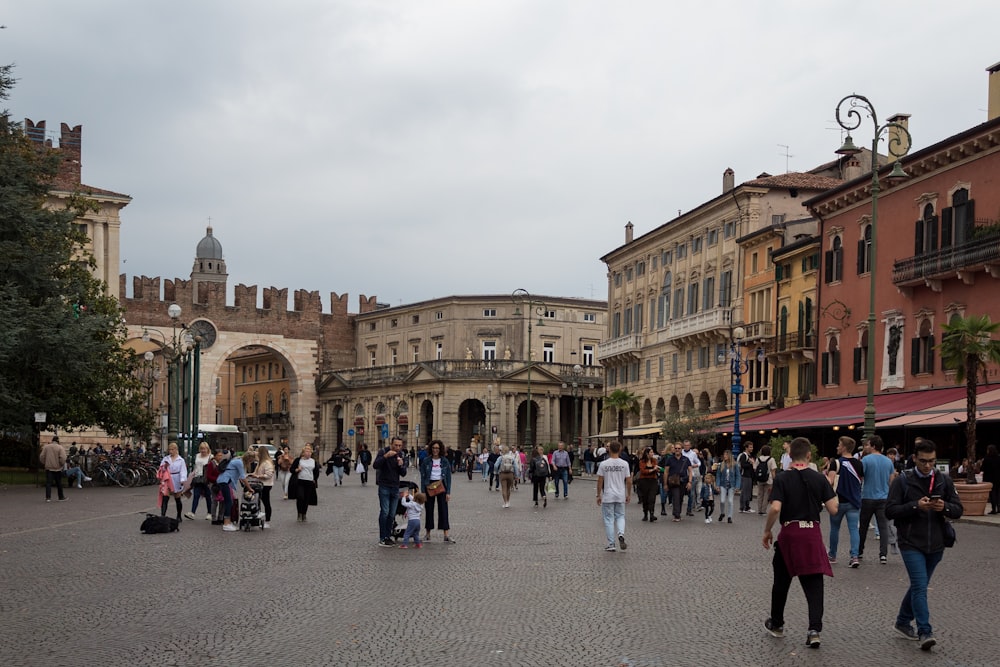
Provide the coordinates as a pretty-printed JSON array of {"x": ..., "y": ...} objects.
[
  {"x": 389, "y": 466},
  {"x": 848, "y": 490}
]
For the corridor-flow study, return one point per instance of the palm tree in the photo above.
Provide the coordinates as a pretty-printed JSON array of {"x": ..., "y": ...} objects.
[
  {"x": 967, "y": 346},
  {"x": 622, "y": 401}
]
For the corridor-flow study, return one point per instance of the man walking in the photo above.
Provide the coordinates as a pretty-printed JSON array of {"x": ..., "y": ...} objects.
[
  {"x": 920, "y": 502},
  {"x": 747, "y": 463},
  {"x": 879, "y": 471},
  {"x": 53, "y": 458},
  {"x": 849, "y": 494},
  {"x": 694, "y": 473},
  {"x": 389, "y": 466},
  {"x": 676, "y": 478},
  {"x": 614, "y": 491},
  {"x": 561, "y": 464},
  {"x": 798, "y": 552}
]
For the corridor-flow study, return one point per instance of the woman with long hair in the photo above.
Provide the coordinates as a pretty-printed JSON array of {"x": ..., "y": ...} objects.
[
  {"x": 176, "y": 468},
  {"x": 265, "y": 473},
  {"x": 198, "y": 483},
  {"x": 436, "y": 470},
  {"x": 648, "y": 485},
  {"x": 729, "y": 481},
  {"x": 235, "y": 474},
  {"x": 305, "y": 479},
  {"x": 540, "y": 472}
]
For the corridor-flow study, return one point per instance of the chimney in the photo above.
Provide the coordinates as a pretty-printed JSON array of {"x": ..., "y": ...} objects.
[
  {"x": 852, "y": 168},
  {"x": 628, "y": 232},
  {"x": 897, "y": 138},
  {"x": 728, "y": 180},
  {"x": 993, "y": 106}
]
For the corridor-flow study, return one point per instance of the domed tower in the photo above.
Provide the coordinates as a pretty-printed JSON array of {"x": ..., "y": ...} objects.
[{"x": 209, "y": 266}]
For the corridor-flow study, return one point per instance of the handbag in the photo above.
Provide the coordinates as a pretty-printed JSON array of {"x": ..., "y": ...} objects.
[
  {"x": 198, "y": 479},
  {"x": 435, "y": 488},
  {"x": 673, "y": 481},
  {"x": 948, "y": 534},
  {"x": 360, "y": 468}
]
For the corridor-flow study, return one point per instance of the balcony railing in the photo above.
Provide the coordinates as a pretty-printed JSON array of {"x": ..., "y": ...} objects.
[
  {"x": 265, "y": 419},
  {"x": 711, "y": 319},
  {"x": 798, "y": 340},
  {"x": 621, "y": 345},
  {"x": 984, "y": 250}
]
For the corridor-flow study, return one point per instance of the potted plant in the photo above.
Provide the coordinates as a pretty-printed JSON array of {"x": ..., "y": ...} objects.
[{"x": 967, "y": 347}]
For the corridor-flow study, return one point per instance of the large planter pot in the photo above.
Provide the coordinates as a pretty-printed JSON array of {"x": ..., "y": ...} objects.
[{"x": 974, "y": 497}]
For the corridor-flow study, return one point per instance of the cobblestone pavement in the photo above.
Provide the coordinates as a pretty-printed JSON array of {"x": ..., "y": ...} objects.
[{"x": 520, "y": 586}]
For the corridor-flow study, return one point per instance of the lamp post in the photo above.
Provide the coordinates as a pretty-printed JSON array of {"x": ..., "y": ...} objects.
[
  {"x": 489, "y": 405},
  {"x": 523, "y": 297},
  {"x": 737, "y": 366},
  {"x": 576, "y": 391},
  {"x": 851, "y": 108},
  {"x": 184, "y": 374}
]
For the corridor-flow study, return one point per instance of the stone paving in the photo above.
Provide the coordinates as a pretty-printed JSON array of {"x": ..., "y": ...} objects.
[{"x": 82, "y": 586}]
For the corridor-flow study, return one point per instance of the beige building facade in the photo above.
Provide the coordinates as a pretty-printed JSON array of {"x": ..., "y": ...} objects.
[
  {"x": 676, "y": 293},
  {"x": 457, "y": 368}
]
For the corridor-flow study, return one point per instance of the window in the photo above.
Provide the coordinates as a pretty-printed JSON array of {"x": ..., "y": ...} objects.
[
  {"x": 439, "y": 350},
  {"x": 489, "y": 312},
  {"x": 753, "y": 263},
  {"x": 371, "y": 326},
  {"x": 588, "y": 355},
  {"x": 703, "y": 357},
  {"x": 720, "y": 354},
  {"x": 834, "y": 261},
  {"x": 439, "y": 315},
  {"x": 696, "y": 244},
  {"x": 865, "y": 250},
  {"x": 926, "y": 232},
  {"x": 628, "y": 274},
  {"x": 661, "y": 366},
  {"x": 663, "y": 308},
  {"x": 957, "y": 221},
  {"x": 674, "y": 363},
  {"x": 415, "y": 319},
  {"x": 861, "y": 358},
  {"x": 637, "y": 318},
  {"x": 416, "y": 353},
  {"x": 649, "y": 368},
  {"x": 682, "y": 251},
  {"x": 725, "y": 288},
  {"x": 692, "y": 305},
  {"x": 777, "y": 218},
  {"x": 371, "y": 358},
  {"x": 708, "y": 293},
  {"x": 393, "y": 356},
  {"x": 831, "y": 363},
  {"x": 713, "y": 237},
  {"x": 393, "y": 323},
  {"x": 218, "y": 386},
  {"x": 729, "y": 229},
  {"x": 618, "y": 279},
  {"x": 284, "y": 402},
  {"x": 612, "y": 377},
  {"x": 489, "y": 350},
  {"x": 922, "y": 350},
  {"x": 616, "y": 325},
  {"x": 640, "y": 269},
  {"x": 656, "y": 258},
  {"x": 668, "y": 257},
  {"x": 690, "y": 360},
  {"x": 678, "y": 303},
  {"x": 269, "y": 402},
  {"x": 628, "y": 321},
  {"x": 549, "y": 314},
  {"x": 548, "y": 352},
  {"x": 243, "y": 406},
  {"x": 590, "y": 317}
]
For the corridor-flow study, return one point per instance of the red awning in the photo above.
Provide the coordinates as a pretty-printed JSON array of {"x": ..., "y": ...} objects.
[
  {"x": 951, "y": 412},
  {"x": 846, "y": 412}
]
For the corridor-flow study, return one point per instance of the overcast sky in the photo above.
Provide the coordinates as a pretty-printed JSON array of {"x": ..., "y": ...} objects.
[{"x": 410, "y": 150}]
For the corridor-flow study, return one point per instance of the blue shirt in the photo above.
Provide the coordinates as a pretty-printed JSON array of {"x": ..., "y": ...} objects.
[
  {"x": 233, "y": 473},
  {"x": 878, "y": 470}
]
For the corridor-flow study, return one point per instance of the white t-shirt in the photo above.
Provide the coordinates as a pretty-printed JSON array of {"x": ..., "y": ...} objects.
[
  {"x": 435, "y": 469},
  {"x": 307, "y": 466},
  {"x": 692, "y": 456},
  {"x": 786, "y": 461},
  {"x": 614, "y": 472}
]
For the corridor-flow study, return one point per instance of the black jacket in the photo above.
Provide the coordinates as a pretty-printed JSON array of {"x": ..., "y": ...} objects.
[
  {"x": 387, "y": 470},
  {"x": 915, "y": 528}
]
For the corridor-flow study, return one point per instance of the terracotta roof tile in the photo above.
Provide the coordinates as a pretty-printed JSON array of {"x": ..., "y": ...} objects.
[{"x": 796, "y": 180}]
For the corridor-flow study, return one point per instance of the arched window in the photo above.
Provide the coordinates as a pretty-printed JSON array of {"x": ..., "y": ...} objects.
[
  {"x": 269, "y": 401},
  {"x": 926, "y": 232},
  {"x": 922, "y": 349},
  {"x": 663, "y": 307},
  {"x": 284, "y": 401},
  {"x": 865, "y": 250},
  {"x": 256, "y": 405},
  {"x": 243, "y": 406}
]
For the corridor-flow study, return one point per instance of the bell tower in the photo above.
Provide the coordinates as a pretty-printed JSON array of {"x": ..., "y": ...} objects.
[{"x": 209, "y": 265}]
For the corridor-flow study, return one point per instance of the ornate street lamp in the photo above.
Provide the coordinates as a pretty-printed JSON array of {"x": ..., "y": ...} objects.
[
  {"x": 737, "y": 367},
  {"x": 576, "y": 391},
  {"x": 489, "y": 405},
  {"x": 532, "y": 307},
  {"x": 851, "y": 108}
]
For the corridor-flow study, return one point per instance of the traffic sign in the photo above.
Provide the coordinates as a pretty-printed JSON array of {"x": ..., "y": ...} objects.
[{"x": 350, "y": 432}]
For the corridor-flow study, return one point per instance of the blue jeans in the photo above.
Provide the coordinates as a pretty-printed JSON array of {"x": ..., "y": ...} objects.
[
  {"x": 589, "y": 465},
  {"x": 614, "y": 520},
  {"x": 726, "y": 496},
  {"x": 562, "y": 474},
  {"x": 338, "y": 475},
  {"x": 853, "y": 515},
  {"x": 695, "y": 493},
  {"x": 920, "y": 567},
  {"x": 388, "y": 501},
  {"x": 198, "y": 491},
  {"x": 412, "y": 530}
]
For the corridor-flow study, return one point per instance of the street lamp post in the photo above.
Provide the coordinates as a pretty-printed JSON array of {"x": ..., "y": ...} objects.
[
  {"x": 576, "y": 391},
  {"x": 489, "y": 405},
  {"x": 532, "y": 307},
  {"x": 851, "y": 108},
  {"x": 737, "y": 366}
]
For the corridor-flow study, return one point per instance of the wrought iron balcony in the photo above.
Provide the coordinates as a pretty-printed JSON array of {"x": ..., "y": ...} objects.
[
  {"x": 797, "y": 340},
  {"x": 963, "y": 261}
]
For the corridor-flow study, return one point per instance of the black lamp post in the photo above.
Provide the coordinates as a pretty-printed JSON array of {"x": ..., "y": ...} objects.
[{"x": 532, "y": 307}]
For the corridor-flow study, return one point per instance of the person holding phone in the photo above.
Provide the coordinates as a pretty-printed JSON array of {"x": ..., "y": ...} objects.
[{"x": 921, "y": 501}]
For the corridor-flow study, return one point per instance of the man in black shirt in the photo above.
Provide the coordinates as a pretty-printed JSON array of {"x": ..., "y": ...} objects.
[{"x": 799, "y": 551}]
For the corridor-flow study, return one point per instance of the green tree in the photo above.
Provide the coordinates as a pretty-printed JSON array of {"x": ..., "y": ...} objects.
[
  {"x": 61, "y": 345},
  {"x": 967, "y": 346},
  {"x": 693, "y": 426},
  {"x": 622, "y": 402}
]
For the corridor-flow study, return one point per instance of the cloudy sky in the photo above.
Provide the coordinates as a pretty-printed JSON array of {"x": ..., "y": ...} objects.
[{"x": 412, "y": 149}]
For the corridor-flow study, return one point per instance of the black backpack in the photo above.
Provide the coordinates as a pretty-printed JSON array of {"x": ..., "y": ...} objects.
[
  {"x": 763, "y": 472},
  {"x": 153, "y": 524}
]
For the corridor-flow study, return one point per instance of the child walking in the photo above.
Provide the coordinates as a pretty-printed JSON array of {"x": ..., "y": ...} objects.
[
  {"x": 414, "y": 509},
  {"x": 708, "y": 492}
]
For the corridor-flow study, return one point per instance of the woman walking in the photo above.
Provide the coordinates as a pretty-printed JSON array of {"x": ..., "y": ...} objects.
[
  {"x": 728, "y": 479},
  {"x": 198, "y": 483},
  {"x": 265, "y": 473},
  {"x": 540, "y": 473},
  {"x": 284, "y": 473},
  {"x": 435, "y": 482},
  {"x": 305, "y": 478},
  {"x": 364, "y": 462},
  {"x": 648, "y": 484},
  {"x": 177, "y": 469},
  {"x": 510, "y": 468}
]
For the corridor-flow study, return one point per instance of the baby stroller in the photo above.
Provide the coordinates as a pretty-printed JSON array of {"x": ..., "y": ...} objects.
[
  {"x": 397, "y": 530},
  {"x": 250, "y": 513}
]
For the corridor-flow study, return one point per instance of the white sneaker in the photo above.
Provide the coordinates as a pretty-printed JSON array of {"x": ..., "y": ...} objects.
[
  {"x": 708, "y": 520},
  {"x": 230, "y": 528},
  {"x": 267, "y": 525},
  {"x": 189, "y": 515},
  {"x": 88, "y": 479}
]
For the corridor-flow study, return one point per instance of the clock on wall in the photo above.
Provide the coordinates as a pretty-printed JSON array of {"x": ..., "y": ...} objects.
[{"x": 206, "y": 330}]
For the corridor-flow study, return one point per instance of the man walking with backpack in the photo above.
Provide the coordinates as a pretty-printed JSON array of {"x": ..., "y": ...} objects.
[
  {"x": 850, "y": 473},
  {"x": 764, "y": 476},
  {"x": 747, "y": 462}
]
